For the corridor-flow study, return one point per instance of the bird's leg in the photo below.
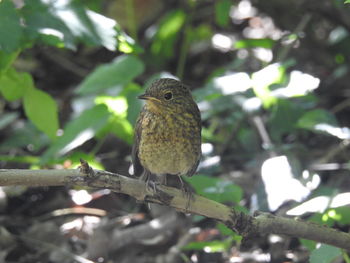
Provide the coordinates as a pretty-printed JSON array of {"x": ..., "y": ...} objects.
[
  {"x": 149, "y": 180},
  {"x": 187, "y": 191}
]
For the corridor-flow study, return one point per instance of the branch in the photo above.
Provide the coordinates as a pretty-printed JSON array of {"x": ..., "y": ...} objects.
[{"x": 246, "y": 225}]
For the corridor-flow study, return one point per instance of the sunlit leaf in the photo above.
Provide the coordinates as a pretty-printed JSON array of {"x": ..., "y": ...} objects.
[
  {"x": 41, "y": 109},
  {"x": 118, "y": 123},
  {"x": 324, "y": 254},
  {"x": 112, "y": 75},
  {"x": 250, "y": 43},
  {"x": 78, "y": 131},
  {"x": 68, "y": 22},
  {"x": 126, "y": 44},
  {"x": 20, "y": 159},
  {"x": 10, "y": 28},
  {"x": 6, "y": 60},
  {"x": 13, "y": 85},
  {"x": 210, "y": 246},
  {"x": 75, "y": 157},
  {"x": 263, "y": 79},
  {"x": 170, "y": 26}
]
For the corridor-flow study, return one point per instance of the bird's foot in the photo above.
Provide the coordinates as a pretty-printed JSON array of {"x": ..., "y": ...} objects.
[{"x": 187, "y": 192}]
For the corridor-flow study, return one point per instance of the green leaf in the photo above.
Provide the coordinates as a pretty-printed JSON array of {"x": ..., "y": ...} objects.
[
  {"x": 118, "y": 124},
  {"x": 76, "y": 156},
  {"x": 250, "y": 43},
  {"x": 43, "y": 24},
  {"x": 68, "y": 22},
  {"x": 41, "y": 109},
  {"x": 222, "y": 12},
  {"x": 166, "y": 36},
  {"x": 263, "y": 79},
  {"x": 6, "y": 60},
  {"x": 309, "y": 244},
  {"x": 347, "y": 2},
  {"x": 13, "y": 85},
  {"x": 325, "y": 254},
  {"x": 210, "y": 246},
  {"x": 78, "y": 131},
  {"x": 10, "y": 27},
  {"x": 115, "y": 74},
  {"x": 284, "y": 118},
  {"x": 216, "y": 189},
  {"x": 310, "y": 119}
]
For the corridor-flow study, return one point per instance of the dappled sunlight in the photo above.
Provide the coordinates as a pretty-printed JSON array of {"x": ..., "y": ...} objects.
[
  {"x": 80, "y": 197},
  {"x": 79, "y": 139},
  {"x": 280, "y": 184},
  {"x": 233, "y": 83},
  {"x": 222, "y": 42},
  {"x": 267, "y": 76},
  {"x": 300, "y": 84},
  {"x": 341, "y": 133},
  {"x": 52, "y": 32},
  {"x": 156, "y": 223},
  {"x": 117, "y": 105},
  {"x": 320, "y": 204},
  {"x": 207, "y": 148}
]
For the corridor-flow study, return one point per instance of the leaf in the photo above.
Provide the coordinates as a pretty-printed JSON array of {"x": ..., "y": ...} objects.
[
  {"x": 222, "y": 12},
  {"x": 13, "y": 84},
  {"x": 27, "y": 136},
  {"x": 6, "y": 60},
  {"x": 41, "y": 109},
  {"x": 311, "y": 118},
  {"x": 67, "y": 22},
  {"x": 10, "y": 28},
  {"x": 216, "y": 189},
  {"x": 117, "y": 73},
  {"x": 325, "y": 254},
  {"x": 118, "y": 123},
  {"x": 263, "y": 79},
  {"x": 250, "y": 43},
  {"x": 78, "y": 131},
  {"x": 169, "y": 28},
  {"x": 210, "y": 246},
  {"x": 284, "y": 118}
]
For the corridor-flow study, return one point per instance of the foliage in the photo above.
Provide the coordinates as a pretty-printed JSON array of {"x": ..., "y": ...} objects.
[{"x": 271, "y": 90}]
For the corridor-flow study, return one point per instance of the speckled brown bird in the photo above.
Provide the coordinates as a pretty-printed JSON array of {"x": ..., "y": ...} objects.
[{"x": 167, "y": 132}]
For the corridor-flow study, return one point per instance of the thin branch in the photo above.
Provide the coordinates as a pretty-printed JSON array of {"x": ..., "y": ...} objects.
[{"x": 246, "y": 225}]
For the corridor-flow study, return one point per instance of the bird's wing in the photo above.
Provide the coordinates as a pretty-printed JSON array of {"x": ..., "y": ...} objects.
[
  {"x": 138, "y": 169},
  {"x": 197, "y": 117}
]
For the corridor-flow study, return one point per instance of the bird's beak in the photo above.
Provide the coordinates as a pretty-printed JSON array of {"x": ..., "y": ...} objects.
[{"x": 147, "y": 97}]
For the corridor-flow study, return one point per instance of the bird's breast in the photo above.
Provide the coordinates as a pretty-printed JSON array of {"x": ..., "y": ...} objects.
[{"x": 169, "y": 144}]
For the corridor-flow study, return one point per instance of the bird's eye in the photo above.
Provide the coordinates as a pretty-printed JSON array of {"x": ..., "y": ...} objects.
[{"x": 168, "y": 96}]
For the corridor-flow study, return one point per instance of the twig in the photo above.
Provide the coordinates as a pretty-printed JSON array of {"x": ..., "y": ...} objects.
[
  {"x": 300, "y": 27},
  {"x": 246, "y": 225}
]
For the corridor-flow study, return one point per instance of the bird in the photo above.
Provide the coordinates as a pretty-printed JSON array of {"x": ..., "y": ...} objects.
[{"x": 167, "y": 138}]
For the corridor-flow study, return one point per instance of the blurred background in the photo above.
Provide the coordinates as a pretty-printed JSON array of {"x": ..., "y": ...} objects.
[{"x": 271, "y": 80}]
